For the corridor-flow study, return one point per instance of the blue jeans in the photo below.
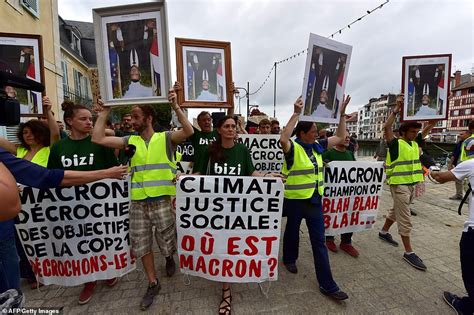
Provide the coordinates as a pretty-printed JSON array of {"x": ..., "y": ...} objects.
[
  {"x": 467, "y": 268},
  {"x": 297, "y": 210},
  {"x": 9, "y": 267}
]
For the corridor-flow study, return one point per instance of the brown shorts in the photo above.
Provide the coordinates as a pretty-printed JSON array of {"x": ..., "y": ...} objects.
[
  {"x": 146, "y": 214},
  {"x": 402, "y": 196}
]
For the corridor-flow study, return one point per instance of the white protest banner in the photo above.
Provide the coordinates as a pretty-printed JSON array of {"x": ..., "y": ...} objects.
[
  {"x": 229, "y": 227},
  {"x": 351, "y": 195},
  {"x": 74, "y": 235},
  {"x": 265, "y": 150}
]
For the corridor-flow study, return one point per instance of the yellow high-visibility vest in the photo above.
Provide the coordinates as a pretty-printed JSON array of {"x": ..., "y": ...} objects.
[
  {"x": 41, "y": 157},
  {"x": 152, "y": 171},
  {"x": 303, "y": 179},
  {"x": 406, "y": 169}
]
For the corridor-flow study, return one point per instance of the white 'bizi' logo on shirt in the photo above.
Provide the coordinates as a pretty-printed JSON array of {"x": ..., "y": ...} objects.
[
  {"x": 77, "y": 160},
  {"x": 227, "y": 170},
  {"x": 203, "y": 141}
]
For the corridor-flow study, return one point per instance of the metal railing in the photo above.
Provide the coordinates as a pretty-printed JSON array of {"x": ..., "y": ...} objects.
[{"x": 72, "y": 95}]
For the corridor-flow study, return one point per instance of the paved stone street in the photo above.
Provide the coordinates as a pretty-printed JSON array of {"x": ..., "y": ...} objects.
[{"x": 378, "y": 282}]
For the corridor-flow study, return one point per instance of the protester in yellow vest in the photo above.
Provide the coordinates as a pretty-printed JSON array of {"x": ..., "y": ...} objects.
[
  {"x": 303, "y": 168},
  {"x": 35, "y": 138},
  {"x": 464, "y": 156},
  {"x": 153, "y": 170},
  {"x": 404, "y": 170}
]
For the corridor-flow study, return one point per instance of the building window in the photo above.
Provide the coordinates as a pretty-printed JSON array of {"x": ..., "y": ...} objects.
[
  {"x": 465, "y": 122},
  {"x": 31, "y": 6},
  {"x": 64, "y": 68},
  {"x": 75, "y": 43},
  {"x": 455, "y": 112},
  {"x": 77, "y": 83},
  {"x": 454, "y": 123},
  {"x": 458, "y": 93},
  {"x": 467, "y": 111}
]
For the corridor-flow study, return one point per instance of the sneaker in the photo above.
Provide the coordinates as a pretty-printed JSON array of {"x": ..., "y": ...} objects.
[
  {"x": 451, "y": 300},
  {"x": 111, "y": 282},
  {"x": 415, "y": 261},
  {"x": 86, "y": 293},
  {"x": 387, "y": 237},
  {"x": 331, "y": 246},
  {"x": 338, "y": 295},
  {"x": 291, "y": 268},
  {"x": 170, "y": 266},
  {"x": 151, "y": 291},
  {"x": 455, "y": 197},
  {"x": 348, "y": 248}
]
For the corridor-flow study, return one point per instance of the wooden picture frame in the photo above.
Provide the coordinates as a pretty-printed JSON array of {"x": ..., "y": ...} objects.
[
  {"x": 426, "y": 75},
  {"x": 22, "y": 55},
  {"x": 204, "y": 69},
  {"x": 132, "y": 50}
]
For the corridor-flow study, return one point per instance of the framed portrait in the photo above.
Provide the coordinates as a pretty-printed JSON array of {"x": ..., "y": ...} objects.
[
  {"x": 132, "y": 53},
  {"x": 425, "y": 84},
  {"x": 325, "y": 78},
  {"x": 22, "y": 55},
  {"x": 204, "y": 70}
]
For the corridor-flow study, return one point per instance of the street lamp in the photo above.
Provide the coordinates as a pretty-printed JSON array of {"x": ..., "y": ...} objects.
[{"x": 246, "y": 95}]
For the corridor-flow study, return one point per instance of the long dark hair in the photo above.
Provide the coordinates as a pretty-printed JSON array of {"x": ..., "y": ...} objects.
[
  {"x": 216, "y": 151},
  {"x": 70, "y": 109},
  {"x": 39, "y": 129}
]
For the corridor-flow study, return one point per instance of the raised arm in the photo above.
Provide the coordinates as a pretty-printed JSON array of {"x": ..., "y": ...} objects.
[
  {"x": 290, "y": 126},
  {"x": 187, "y": 131},
  {"x": 98, "y": 133},
  {"x": 230, "y": 111},
  {"x": 54, "y": 134},
  {"x": 341, "y": 128},
  {"x": 9, "y": 191},
  {"x": 388, "y": 126},
  {"x": 428, "y": 127}
]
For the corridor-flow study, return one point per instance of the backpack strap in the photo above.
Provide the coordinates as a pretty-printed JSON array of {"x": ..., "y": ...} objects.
[{"x": 463, "y": 201}]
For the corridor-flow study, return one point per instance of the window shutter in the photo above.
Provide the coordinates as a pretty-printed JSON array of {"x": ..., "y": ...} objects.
[{"x": 9, "y": 133}]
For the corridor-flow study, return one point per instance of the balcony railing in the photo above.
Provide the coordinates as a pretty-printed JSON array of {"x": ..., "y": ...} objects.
[{"x": 72, "y": 95}]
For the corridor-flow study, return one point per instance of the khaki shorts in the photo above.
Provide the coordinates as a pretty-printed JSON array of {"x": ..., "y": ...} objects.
[
  {"x": 146, "y": 214},
  {"x": 402, "y": 196}
]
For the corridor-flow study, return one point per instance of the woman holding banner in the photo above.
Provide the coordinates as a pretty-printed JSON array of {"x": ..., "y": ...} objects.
[
  {"x": 303, "y": 169},
  {"x": 78, "y": 152},
  {"x": 225, "y": 157}
]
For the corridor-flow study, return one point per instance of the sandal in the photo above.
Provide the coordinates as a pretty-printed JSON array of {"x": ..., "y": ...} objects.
[{"x": 225, "y": 309}]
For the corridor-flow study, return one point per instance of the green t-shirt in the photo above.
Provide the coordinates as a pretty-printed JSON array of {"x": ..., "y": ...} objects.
[
  {"x": 200, "y": 141},
  {"x": 335, "y": 155},
  {"x": 237, "y": 162},
  {"x": 393, "y": 146},
  {"x": 80, "y": 155}
]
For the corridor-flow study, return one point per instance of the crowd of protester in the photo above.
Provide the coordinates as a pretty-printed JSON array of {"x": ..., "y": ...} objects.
[{"x": 100, "y": 149}]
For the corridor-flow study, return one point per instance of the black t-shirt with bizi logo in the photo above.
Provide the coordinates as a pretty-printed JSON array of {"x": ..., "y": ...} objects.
[{"x": 237, "y": 162}]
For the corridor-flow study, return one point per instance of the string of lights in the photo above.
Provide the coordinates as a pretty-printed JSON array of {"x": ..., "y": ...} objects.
[{"x": 305, "y": 51}]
